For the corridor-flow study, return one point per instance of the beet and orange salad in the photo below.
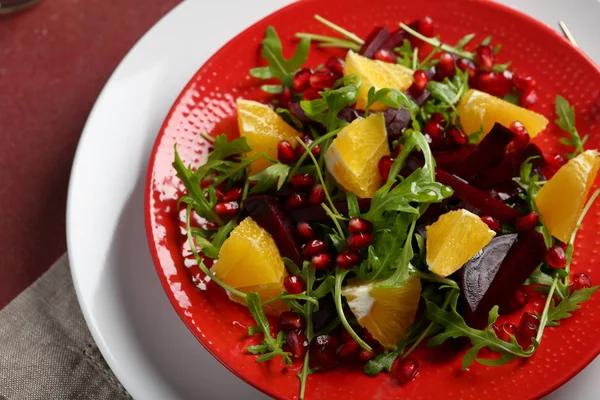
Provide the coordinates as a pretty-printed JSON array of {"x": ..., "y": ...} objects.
[{"x": 390, "y": 200}]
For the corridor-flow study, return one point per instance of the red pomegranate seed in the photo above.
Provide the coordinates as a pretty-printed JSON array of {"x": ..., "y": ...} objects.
[
  {"x": 229, "y": 208},
  {"x": 358, "y": 241},
  {"x": 365, "y": 355},
  {"x": 384, "y": 166},
  {"x": 322, "y": 79},
  {"x": 502, "y": 83},
  {"x": 385, "y": 55},
  {"x": 302, "y": 181},
  {"x": 233, "y": 194},
  {"x": 420, "y": 80},
  {"x": 323, "y": 350},
  {"x": 491, "y": 222},
  {"x": 298, "y": 344},
  {"x": 296, "y": 200},
  {"x": 523, "y": 82},
  {"x": 485, "y": 56},
  {"x": 285, "y": 152},
  {"x": 219, "y": 195},
  {"x": 425, "y": 26},
  {"x": 286, "y": 97},
  {"x": 580, "y": 281},
  {"x": 484, "y": 81},
  {"x": 527, "y": 331},
  {"x": 556, "y": 257},
  {"x": 407, "y": 369},
  {"x": 347, "y": 349},
  {"x": 311, "y": 94},
  {"x": 446, "y": 68},
  {"x": 528, "y": 98},
  {"x": 527, "y": 222},
  {"x": 299, "y": 151},
  {"x": 293, "y": 284},
  {"x": 301, "y": 80},
  {"x": 317, "y": 195},
  {"x": 347, "y": 260},
  {"x": 290, "y": 321},
  {"x": 466, "y": 65},
  {"x": 518, "y": 300},
  {"x": 321, "y": 261},
  {"x": 358, "y": 225},
  {"x": 336, "y": 65},
  {"x": 314, "y": 247},
  {"x": 530, "y": 318},
  {"x": 206, "y": 183},
  {"x": 305, "y": 231},
  {"x": 506, "y": 330},
  {"x": 554, "y": 162},
  {"x": 521, "y": 135},
  {"x": 433, "y": 129},
  {"x": 437, "y": 117},
  {"x": 459, "y": 137}
]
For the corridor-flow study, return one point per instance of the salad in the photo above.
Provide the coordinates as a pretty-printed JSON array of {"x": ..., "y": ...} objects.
[{"x": 390, "y": 200}]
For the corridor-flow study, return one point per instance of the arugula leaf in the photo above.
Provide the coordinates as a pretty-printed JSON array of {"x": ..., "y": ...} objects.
[
  {"x": 353, "y": 207},
  {"x": 501, "y": 67},
  {"x": 512, "y": 97},
  {"x": 443, "y": 92},
  {"x": 538, "y": 277},
  {"x": 224, "y": 148},
  {"x": 486, "y": 41},
  {"x": 382, "y": 361},
  {"x": 279, "y": 67},
  {"x": 566, "y": 122},
  {"x": 406, "y": 53},
  {"x": 390, "y": 97},
  {"x": 386, "y": 254},
  {"x": 402, "y": 269},
  {"x": 269, "y": 177},
  {"x": 563, "y": 309},
  {"x": 464, "y": 41},
  {"x": 211, "y": 248}
]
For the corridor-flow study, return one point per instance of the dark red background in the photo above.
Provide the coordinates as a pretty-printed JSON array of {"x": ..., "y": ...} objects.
[{"x": 54, "y": 60}]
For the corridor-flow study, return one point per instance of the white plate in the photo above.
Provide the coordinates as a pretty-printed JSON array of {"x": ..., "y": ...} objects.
[{"x": 141, "y": 337}]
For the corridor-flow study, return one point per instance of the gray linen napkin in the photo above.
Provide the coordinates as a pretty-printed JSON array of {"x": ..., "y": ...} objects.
[{"x": 46, "y": 350}]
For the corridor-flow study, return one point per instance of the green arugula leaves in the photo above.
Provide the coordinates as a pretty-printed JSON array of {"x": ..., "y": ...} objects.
[
  {"x": 563, "y": 309},
  {"x": 275, "y": 175},
  {"x": 566, "y": 122}
]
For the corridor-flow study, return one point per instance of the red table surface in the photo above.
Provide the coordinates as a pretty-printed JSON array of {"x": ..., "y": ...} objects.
[{"x": 54, "y": 60}]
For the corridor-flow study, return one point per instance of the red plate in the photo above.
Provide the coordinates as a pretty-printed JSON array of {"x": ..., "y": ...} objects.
[{"x": 207, "y": 104}]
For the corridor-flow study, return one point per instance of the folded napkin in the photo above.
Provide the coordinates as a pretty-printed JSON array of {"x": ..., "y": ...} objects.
[{"x": 46, "y": 350}]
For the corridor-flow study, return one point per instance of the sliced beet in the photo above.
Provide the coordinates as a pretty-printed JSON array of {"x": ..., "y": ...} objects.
[
  {"x": 298, "y": 112},
  {"x": 396, "y": 122},
  {"x": 489, "y": 151},
  {"x": 267, "y": 213},
  {"x": 349, "y": 114},
  {"x": 375, "y": 40},
  {"x": 419, "y": 98},
  {"x": 448, "y": 160},
  {"x": 507, "y": 192},
  {"x": 509, "y": 167},
  {"x": 493, "y": 277},
  {"x": 395, "y": 39},
  {"x": 317, "y": 213}
]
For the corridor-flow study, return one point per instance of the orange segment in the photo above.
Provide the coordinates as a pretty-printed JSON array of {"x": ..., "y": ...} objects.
[
  {"x": 478, "y": 108},
  {"x": 387, "y": 313},
  {"x": 454, "y": 239},
  {"x": 264, "y": 129},
  {"x": 250, "y": 262},
  {"x": 561, "y": 200},
  {"x": 376, "y": 73},
  {"x": 353, "y": 155}
]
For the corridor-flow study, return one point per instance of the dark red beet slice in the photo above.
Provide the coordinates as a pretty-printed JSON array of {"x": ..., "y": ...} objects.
[
  {"x": 375, "y": 40},
  {"x": 507, "y": 192},
  {"x": 448, "y": 160},
  {"x": 316, "y": 213},
  {"x": 267, "y": 213},
  {"x": 486, "y": 284},
  {"x": 489, "y": 151},
  {"x": 349, "y": 114},
  {"x": 418, "y": 98},
  {"x": 298, "y": 112},
  {"x": 396, "y": 122},
  {"x": 396, "y": 38},
  {"x": 509, "y": 167}
]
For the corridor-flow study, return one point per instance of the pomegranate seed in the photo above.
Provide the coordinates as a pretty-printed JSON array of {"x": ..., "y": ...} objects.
[
  {"x": 347, "y": 260},
  {"x": 229, "y": 208},
  {"x": 385, "y": 55},
  {"x": 346, "y": 336},
  {"x": 299, "y": 151},
  {"x": 321, "y": 261},
  {"x": 317, "y": 195},
  {"x": 285, "y": 152},
  {"x": 336, "y": 65},
  {"x": 521, "y": 137},
  {"x": 485, "y": 56},
  {"x": 491, "y": 222},
  {"x": 365, "y": 355},
  {"x": 502, "y": 84},
  {"x": 527, "y": 222},
  {"x": 556, "y": 257},
  {"x": 233, "y": 194},
  {"x": 466, "y": 65},
  {"x": 526, "y": 332},
  {"x": 530, "y": 318},
  {"x": 580, "y": 281},
  {"x": 301, "y": 80},
  {"x": 484, "y": 81},
  {"x": 358, "y": 241},
  {"x": 206, "y": 183},
  {"x": 357, "y": 225},
  {"x": 219, "y": 195},
  {"x": 407, "y": 369},
  {"x": 437, "y": 117},
  {"x": 323, "y": 351},
  {"x": 322, "y": 79},
  {"x": 433, "y": 129},
  {"x": 518, "y": 300},
  {"x": 293, "y": 284},
  {"x": 305, "y": 231},
  {"x": 523, "y": 82},
  {"x": 425, "y": 26},
  {"x": 459, "y": 137},
  {"x": 290, "y": 321},
  {"x": 296, "y": 200},
  {"x": 302, "y": 181},
  {"x": 347, "y": 349},
  {"x": 286, "y": 98},
  {"x": 298, "y": 344},
  {"x": 420, "y": 80},
  {"x": 528, "y": 98},
  {"x": 311, "y": 94},
  {"x": 384, "y": 166},
  {"x": 554, "y": 162},
  {"x": 314, "y": 247},
  {"x": 446, "y": 68},
  {"x": 506, "y": 330}
]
